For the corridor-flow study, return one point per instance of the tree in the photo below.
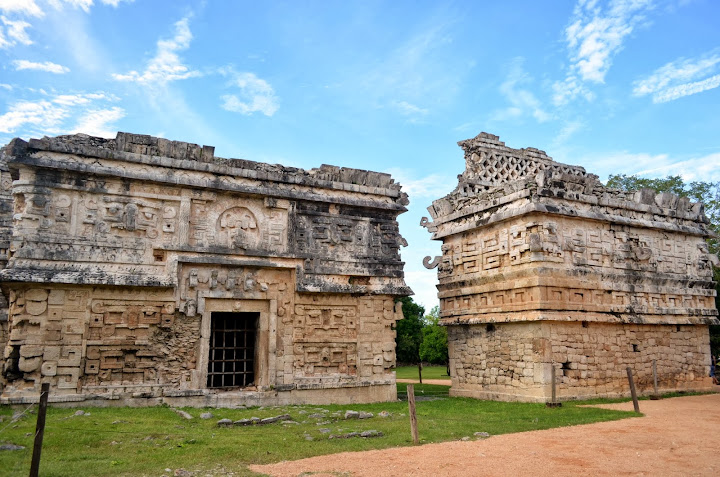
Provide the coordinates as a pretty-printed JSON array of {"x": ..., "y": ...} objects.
[
  {"x": 409, "y": 331},
  {"x": 434, "y": 347},
  {"x": 698, "y": 191}
]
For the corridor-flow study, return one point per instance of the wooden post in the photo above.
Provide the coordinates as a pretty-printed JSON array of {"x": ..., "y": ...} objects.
[
  {"x": 420, "y": 371},
  {"x": 553, "y": 383},
  {"x": 656, "y": 395},
  {"x": 632, "y": 390},
  {"x": 413, "y": 417},
  {"x": 39, "y": 430}
]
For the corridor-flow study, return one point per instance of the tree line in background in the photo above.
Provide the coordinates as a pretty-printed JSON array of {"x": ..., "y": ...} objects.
[
  {"x": 421, "y": 339},
  {"x": 419, "y": 336}
]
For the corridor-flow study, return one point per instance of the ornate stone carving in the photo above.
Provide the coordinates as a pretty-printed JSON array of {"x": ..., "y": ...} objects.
[{"x": 533, "y": 249}]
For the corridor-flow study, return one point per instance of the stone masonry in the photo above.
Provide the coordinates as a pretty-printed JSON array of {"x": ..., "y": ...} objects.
[
  {"x": 543, "y": 266},
  {"x": 139, "y": 270}
]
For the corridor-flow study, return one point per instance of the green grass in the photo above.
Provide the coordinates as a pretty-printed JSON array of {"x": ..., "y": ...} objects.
[
  {"x": 145, "y": 441},
  {"x": 429, "y": 372}
]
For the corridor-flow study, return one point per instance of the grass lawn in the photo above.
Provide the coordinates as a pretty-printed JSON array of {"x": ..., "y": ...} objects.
[
  {"x": 146, "y": 441},
  {"x": 429, "y": 372}
]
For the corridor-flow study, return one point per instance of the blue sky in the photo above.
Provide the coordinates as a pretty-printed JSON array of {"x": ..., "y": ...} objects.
[{"x": 624, "y": 86}]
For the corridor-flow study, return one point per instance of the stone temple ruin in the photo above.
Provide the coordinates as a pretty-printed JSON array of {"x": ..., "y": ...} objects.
[
  {"x": 543, "y": 266},
  {"x": 141, "y": 270}
]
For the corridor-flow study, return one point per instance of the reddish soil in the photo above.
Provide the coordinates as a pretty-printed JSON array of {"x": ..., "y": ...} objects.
[{"x": 679, "y": 436}]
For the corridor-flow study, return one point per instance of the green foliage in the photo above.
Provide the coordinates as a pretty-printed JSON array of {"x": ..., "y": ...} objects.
[
  {"x": 409, "y": 331},
  {"x": 698, "y": 191},
  {"x": 145, "y": 441},
  {"x": 434, "y": 346}
]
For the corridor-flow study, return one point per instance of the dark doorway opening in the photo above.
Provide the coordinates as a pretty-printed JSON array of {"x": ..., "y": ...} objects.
[{"x": 232, "y": 349}]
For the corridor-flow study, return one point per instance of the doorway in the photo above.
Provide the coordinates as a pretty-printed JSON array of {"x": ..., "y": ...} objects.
[{"x": 231, "y": 361}]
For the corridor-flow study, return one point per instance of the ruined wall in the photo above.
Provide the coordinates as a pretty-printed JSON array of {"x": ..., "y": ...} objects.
[
  {"x": 511, "y": 361},
  {"x": 545, "y": 246},
  {"x": 123, "y": 250}
]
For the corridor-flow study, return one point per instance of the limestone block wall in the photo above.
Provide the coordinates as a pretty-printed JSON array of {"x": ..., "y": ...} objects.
[
  {"x": 512, "y": 361},
  {"x": 123, "y": 253}
]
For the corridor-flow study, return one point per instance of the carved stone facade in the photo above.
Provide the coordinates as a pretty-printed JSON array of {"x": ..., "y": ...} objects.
[
  {"x": 544, "y": 266},
  {"x": 135, "y": 267}
]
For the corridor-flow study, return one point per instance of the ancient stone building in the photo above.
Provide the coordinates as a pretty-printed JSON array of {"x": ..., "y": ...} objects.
[
  {"x": 544, "y": 266},
  {"x": 142, "y": 270}
]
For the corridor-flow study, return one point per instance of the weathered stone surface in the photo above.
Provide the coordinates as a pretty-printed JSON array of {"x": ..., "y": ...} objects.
[
  {"x": 121, "y": 252},
  {"x": 544, "y": 266}
]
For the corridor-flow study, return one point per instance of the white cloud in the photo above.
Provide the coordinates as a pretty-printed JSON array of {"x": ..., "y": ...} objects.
[
  {"x": 522, "y": 101},
  {"x": 41, "y": 113},
  {"x": 82, "y": 4},
  {"x": 78, "y": 99},
  {"x": 45, "y": 66},
  {"x": 50, "y": 115},
  {"x": 96, "y": 122},
  {"x": 25, "y": 7},
  {"x": 595, "y": 35},
  {"x": 13, "y": 32},
  {"x": 706, "y": 168},
  {"x": 681, "y": 77},
  {"x": 166, "y": 65},
  {"x": 703, "y": 168},
  {"x": 255, "y": 95}
]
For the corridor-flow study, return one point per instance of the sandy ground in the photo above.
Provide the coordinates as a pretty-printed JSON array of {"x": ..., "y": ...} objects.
[{"x": 679, "y": 436}]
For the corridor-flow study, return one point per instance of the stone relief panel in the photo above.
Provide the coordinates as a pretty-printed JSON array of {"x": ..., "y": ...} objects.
[
  {"x": 239, "y": 224},
  {"x": 46, "y": 336},
  {"x": 337, "y": 236},
  {"x": 197, "y": 281},
  {"x": 605, "y": 246}
]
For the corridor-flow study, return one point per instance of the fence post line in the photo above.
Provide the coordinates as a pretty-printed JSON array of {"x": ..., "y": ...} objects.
[
  {"x": 632, "y": 390},
  {"x": 413, "y": 417},
  {"x": 655, "y": 384},
  {"x": 39, "y": 430}
]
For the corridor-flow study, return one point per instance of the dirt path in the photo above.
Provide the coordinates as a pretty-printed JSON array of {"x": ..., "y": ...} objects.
[{"x": 679, "y": 436}]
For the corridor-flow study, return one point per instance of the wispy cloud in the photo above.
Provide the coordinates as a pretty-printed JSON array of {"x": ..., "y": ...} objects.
[
  {"x": 522, "y": 101},
  {"x": 681, "y": 77},
  {"x": 567, "y": 131},
  {"x": 46, "y": 66},
  {"x": 50, "y": 114},
  {"x": 97, "y": 122},
  {"x": 23, "y": 7},
  {"x": 419, "y": 73},
  {"x": 13, "y": 32},
  {"x": 703, "y": 168},
  {"x": 431, "y": 186},
  {"x": 166, "y": 65},
  {"x": 254, "y": 94},
  {"x": 595, "y": 35},
  {"x": 85, "y": 4},
  {"x": 412, "y": 112},
  {"x": 15, "y": 13},
  {"x": 706, "y": 167}
]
